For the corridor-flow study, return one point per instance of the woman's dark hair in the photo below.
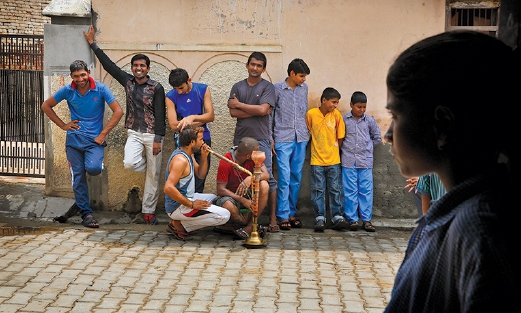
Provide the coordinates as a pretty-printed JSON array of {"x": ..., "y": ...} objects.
[{"x": 475, "y": 76}]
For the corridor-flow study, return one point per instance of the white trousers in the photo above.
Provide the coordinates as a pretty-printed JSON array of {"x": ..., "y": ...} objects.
[
  {"x": 149, "y": 163},
  {"x": 196, "y": 219}
]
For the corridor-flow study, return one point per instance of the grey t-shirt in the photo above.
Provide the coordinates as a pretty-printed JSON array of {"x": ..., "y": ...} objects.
[{"x": 256, "y": 126}]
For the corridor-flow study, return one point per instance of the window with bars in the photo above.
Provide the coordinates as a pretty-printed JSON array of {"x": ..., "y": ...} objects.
[{"x": 479, "y": 16}]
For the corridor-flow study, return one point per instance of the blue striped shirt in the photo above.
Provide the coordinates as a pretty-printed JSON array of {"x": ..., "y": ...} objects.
[
  {"x": 361, "y": 138},
  {"x": 461, "y": 257},
  {"x": 289, "y": 115}
]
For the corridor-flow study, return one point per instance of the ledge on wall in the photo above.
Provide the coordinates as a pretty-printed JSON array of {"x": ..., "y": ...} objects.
[{"x": 195, "y": 47}]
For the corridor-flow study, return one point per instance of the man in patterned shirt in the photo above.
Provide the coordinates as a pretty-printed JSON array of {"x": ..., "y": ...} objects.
[{"x": 145, "y": 122}]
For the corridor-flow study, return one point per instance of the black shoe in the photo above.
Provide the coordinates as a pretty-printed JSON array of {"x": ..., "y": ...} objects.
[
  {"x": 320, "y": 225},
  {"x": 340, "y": 224},
  {"x": 353, "y": 226}
]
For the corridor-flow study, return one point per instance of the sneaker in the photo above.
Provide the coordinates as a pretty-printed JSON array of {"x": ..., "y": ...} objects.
[
  {"x": 353, "y": 226},
  {"x": 340, "y": 224},
  {"x": 150, "y": 219},
  {"x": 320, "y": 225}
]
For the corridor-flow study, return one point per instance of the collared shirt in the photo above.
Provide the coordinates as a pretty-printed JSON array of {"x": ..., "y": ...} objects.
[
  {"x": 88, "y": 109},
  {"x": 289, "y": 115},
  {"x": 145, "y": 105},
  {"x": 361, "y": 138},
  {"x": 462, "y": 255},
  {"x": 325, "y": 132}
]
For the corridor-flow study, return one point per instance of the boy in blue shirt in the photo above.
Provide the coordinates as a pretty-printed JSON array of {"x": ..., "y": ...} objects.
[
  {"x": 362, "y": 135},
  {"x": 290, "y": 137},
  {"x": 189, "y": 104},
  {"x": 86, "y": 135}
]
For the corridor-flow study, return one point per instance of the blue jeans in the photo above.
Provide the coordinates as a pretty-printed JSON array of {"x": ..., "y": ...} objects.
[
  {"x": 85, "y": 157},
  {"x": 330, "y": 178},
  {"x": 290, "y": 161},
  {"x": 358, "y": 193}
]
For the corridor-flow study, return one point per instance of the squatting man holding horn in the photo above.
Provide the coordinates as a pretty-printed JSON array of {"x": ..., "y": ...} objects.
[{"x": 188, "y": 210}]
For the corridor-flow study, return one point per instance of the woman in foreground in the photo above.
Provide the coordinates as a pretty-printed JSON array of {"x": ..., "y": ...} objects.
[{"x": 452, "y": 99}]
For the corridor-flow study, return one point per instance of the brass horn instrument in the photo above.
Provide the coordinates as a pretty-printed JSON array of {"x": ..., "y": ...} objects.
[{"x": 258, "y": 157}]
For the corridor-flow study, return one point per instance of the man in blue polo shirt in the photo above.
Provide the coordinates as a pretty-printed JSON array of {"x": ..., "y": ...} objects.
[{"x": 85, "y": 140}]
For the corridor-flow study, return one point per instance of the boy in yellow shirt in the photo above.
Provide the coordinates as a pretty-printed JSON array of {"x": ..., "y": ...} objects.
[{"x": 327, "y": 130}]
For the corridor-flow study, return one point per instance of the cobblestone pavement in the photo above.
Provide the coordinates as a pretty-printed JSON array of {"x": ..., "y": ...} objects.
[{"x": 129, "y": 269}]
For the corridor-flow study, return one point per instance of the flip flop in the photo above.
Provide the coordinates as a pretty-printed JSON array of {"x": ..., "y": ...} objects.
[
  {"x": 177, "y": 234},
  {"x": 241, "y": 234},
  {"x": 295, "y": 222},
  {"x": 368, "y": 226},
  {"x": 90, "y": 222},
  {"x": 285, "y": 225},
  {"x": 273, "y": 228}
]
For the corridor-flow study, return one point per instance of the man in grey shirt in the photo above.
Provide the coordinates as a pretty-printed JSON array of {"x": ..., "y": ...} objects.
[{"x": 251, "y": 102}]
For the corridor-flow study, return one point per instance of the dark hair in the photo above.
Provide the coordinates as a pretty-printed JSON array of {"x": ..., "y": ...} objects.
[
  {"x": 78, "y": 65},
  {"x": 298, "y": 66},
  {"x": 140, "y": 57},
  {"x": 178, "y": 77},
  {"x": 247, "y": 145},
  {"x": 471, "y": 74},
  {"x": 330, "y": 93},
  {"x": 259, "y": 56},
  {"x": 358, "y": 97},
  {"x": 188, "y": 134}
]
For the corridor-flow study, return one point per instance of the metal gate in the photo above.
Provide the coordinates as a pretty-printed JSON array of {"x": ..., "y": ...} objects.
[{"x": 22, "y": 139}]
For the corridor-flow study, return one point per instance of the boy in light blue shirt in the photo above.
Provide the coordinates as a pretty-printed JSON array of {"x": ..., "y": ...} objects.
[
  {"x": 362, "y": 135},
  {"x": 290, "y": 137}
]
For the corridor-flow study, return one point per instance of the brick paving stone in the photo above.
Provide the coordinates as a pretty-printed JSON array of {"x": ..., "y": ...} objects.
[
  {"x": 127, "y": 271},
  {"x": 130, "y": 308},
  {"x": 287, "y": 307},
  {"x": 65, "y": 301},
  {"x": 109, "y": 303},
  {"x": 10, "y": 308},
  {"x": 37, "y": 306},
  {"x": 135, "y": 298},
  {"x": 20, "y": 298}
]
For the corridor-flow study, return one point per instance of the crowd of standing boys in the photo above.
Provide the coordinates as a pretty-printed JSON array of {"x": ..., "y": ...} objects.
[{"x": 274, "y": 119}]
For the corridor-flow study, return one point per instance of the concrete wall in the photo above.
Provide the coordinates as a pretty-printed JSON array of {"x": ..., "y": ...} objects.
[{"x": 348, "y": 45}]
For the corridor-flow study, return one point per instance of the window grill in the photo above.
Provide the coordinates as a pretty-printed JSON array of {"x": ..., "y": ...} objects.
[
  {"x": 482, "y": 17},
  {"x": 21, "y": 52}
]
